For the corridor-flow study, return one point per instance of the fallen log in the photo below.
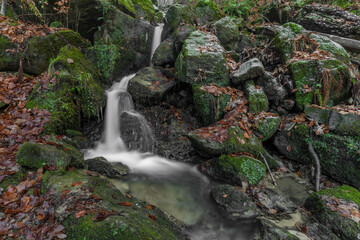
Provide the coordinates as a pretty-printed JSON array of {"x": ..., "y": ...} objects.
[{"x": 349, "y": 44}]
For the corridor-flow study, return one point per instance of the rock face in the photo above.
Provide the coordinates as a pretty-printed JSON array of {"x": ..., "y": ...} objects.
[
  {"x": 133, "y": 36},
  {"x": 34, "y": 156},
  {"x": 258, "y": 100},
  {"x": 73, "y": 77},
  {"x": 330, "y": 20},
  {"x": 337, "y": 154},
  {"x": 126, "y": 222},
  {"x": 111, "y": 170},
  {"x": 248, "y": 70},
  {"x": 135, "y": 132},
  {"x": 309, "y": 75},
  {"x": 337, "y": 209},
  {"x": 41, "y": 50},
  {"x": 149, "y": 86},
  {"x": 233, "y": 203},
  {"x": 343, "y": 123},
  {"x": 202, "y": 61},
  {"x": 228, "y": 33}
]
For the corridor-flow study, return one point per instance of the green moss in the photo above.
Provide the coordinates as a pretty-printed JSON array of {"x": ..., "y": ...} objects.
[
  {"x": 8, "y": 61},
  {"x": 127, "y": 4},
  {"x": 343, "y": 192},
  {"x": 13, "y": 179},
  {"x": 211, "y": 108},
  {"x": 257, "y": 99},
  {"x": 244, "y": 167},
  {"x": 146, "y": 6},
  {"x": 295, "y": 28},
  {"x": 268, "y": 127}
]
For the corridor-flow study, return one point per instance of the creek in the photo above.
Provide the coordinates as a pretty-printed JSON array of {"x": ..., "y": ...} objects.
[{"x": 177, "y": 188}]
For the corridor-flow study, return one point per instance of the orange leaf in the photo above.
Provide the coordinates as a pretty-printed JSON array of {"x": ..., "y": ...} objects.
[
  {"x": 152, "y": 217},
  {"x": 246, "y": 135},
  {"x": 128, "y": 204},
  {"x": 79, "y": 214},
  {"x": 78, "y": 183},
  {"x": 288, "y": 148},
  {"x": 40, "y": 217}
]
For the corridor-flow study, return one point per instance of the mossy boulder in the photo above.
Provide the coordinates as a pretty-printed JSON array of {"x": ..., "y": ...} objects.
[
  {"x": 211, "y": 108},
  {"x": 236, "y": 142},
  {"x": 228, "y": 33},
  {"x": 150, "y": 86},
  {"x": 340, "y": 122},
  {"x": 164, "y": 54},
  {"x": 180, "y": 34},
  {"x": 325, "y": 208},
  {"x": 73, "y": 93},
  {"x": 285, "y": 44},
  {"x": 241, "y": 168},
  {"x": 206, "y": 12},
  {"x": 269, "y": 231},
  {"x": 310, "y": 77},
  {"x": 34, "y": 156},
  {"x": 338, "y": 155},
  {"x": 40, "y": 50},
  {"x": 202, "y": 61},
  {"x": 108, "y": 169},
  {"x": 128, "y": 222},
  {"x": 257, "y": 98},
  {"x": 13, "y": 179},
  {"x": 131, "y": 35},
  {"x": 247, "y": 71},
  {"x": 175, "y": 15}
]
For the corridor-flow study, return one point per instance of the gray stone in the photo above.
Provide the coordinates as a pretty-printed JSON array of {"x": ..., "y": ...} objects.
[
  {"x": 149, "y": 86},
  {"x": 273, "y": 89},
  {"x": 164, "y": 54},
  {"x": 270, "y": 231},
  {"x": 202, "y": 61},
  {"x": 111, "y": 170},
  {"x": 233, "y": 203},
  {"x": 176, "y": 15},
  {"x": 318, "y": 231},
  {"x": 228, "y": 33},
  {"x": 248, "y": 70},
  {"x": 206, "y": 13}
]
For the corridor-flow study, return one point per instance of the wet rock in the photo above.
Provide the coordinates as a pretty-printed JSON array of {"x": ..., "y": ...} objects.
[
  {"x": 133, "y": 38},
  {"x": 273, "y": 89},
  {"x": 274, "y": 199},
  {"x": 202, "y": 61},
  {"x": 41, "y": 50},
  {"x": 211, "y": 108},
  {"x": 124, "y": 220},
  {"x": 310, "y": 74},
  {"x": 258, "y": 100},
  {"x": 180, "y": 35},
  {"x": 318, "y": 231},
  {"x": 248, "y": 70},
  {"x": 164, "y": 54},
  {"x": 111, "y": 170},
  {"x": 233, "y": 202},
  {"x": 149, "y": 86},
  {"x": 135, "y": 132},
  {"x": 330, "y": 20},
  {"x": 76, "y": 79},
  {"x": 337, "y": 154},
  {"x": 228, "y": 33},
  {"x": 176, "y": 15},
  {"x": 270, "y": 231},
  {"x": 34, "y": 156},
  {"x": 343, "y": 123},
  {"x": 336, "y": 209},
  {"x": 206, "y": 12}
]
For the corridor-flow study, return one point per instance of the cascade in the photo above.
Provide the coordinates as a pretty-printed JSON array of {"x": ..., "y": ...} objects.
[{"x": 175, "y": 187}]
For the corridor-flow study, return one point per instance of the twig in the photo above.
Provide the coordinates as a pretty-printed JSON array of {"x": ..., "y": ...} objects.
[
  {"x": 318, "y": 167},
  {"x": 268, "y": 168}
]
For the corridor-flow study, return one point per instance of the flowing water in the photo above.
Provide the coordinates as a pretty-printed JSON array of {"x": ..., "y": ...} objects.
[{"x": 176, "y": 188}]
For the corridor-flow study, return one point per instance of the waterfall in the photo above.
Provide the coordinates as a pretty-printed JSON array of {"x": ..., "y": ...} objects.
[{"x": 157, "y": 38}]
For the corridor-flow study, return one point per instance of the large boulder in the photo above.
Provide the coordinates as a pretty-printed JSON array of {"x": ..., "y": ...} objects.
[
  {"x": 102, "y": 211},
  {"x": 202, "y": 61},
  {"x": 71, "y": 91},
  {"x": 233, "y": 203},
  {"x": 338, "y": 209},
  {"x": 206, "y": 12},
  {"x": 248, "y": 70},
  {"x": 41, "y": 49},
  {"x": 338, "y": 155},
  {"x": 330, "y": 20},
  {"x": 176, "y": 15},
  {"x": 133, "y": 37},
  {"x": 111, "y": 170},
  {"x": 34, "y": 156},
  {"x": 339, "y": 121},
  {"x": 328, "y": 80},
  {"x": 150, "y": 86},
  {"x": 228, "y": 33}
]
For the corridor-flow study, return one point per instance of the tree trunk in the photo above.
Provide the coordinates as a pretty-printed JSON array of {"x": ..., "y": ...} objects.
[
  {"x": 3, "y": 7},
  {"x": 318, "y": 167}
]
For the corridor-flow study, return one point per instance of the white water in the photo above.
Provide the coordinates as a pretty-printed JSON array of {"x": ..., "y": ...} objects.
[{"x": 157, "y": 38}]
